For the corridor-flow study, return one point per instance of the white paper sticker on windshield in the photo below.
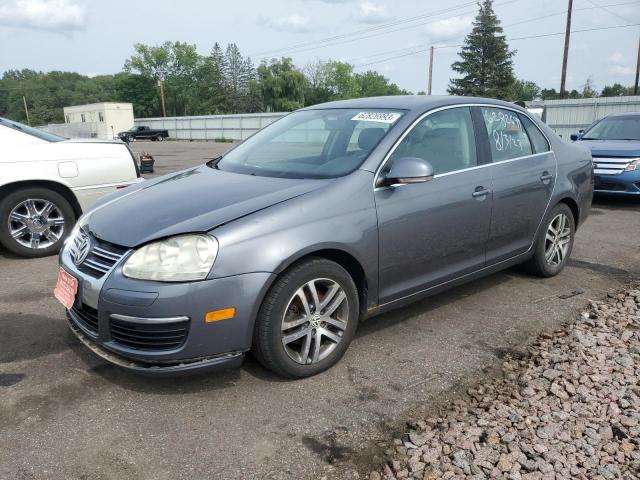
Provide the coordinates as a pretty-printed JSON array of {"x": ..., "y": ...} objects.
[{"x": 384, "y": 117}]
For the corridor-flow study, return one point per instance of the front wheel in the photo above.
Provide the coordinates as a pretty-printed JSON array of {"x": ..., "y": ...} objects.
[
  {"x": 34, "y": 222},
  {"x": 307, "y": 320},
  {"x": 554, "y": 243}
]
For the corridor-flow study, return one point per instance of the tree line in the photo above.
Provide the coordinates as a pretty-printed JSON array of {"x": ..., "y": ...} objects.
[
  {"x": 222, "y": 82},
  {"x": 225, "y": 81}
]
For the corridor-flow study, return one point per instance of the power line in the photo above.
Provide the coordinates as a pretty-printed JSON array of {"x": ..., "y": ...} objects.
[
  {"x": 327, "y": 43},
  {"x": 405, "y": 49},
  {"x": 528, "y": 37},
  {"x": 366, "y": 30},
  {"x": 604, "y": 7}
]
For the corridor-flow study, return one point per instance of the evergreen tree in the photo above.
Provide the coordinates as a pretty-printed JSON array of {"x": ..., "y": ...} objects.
[
  {"x": 211, "y": 82},
  {"x": 238, "y": 73},
  {"x": 485, "y": 64}
]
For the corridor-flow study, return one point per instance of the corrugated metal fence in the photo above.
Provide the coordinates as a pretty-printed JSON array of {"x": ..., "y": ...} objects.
[
  {"x": 568, "y": 116},
  {"x": 564, "y": 116},
  {"x": 211, "y": 127}
]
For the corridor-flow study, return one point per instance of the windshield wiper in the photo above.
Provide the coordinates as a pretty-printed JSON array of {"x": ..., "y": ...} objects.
[{"x": 213, "y": 163}]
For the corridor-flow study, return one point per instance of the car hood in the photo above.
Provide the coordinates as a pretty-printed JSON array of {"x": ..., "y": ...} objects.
[
  {"x": 613, "y": 148},
  {"x": 194, "y": 200}
]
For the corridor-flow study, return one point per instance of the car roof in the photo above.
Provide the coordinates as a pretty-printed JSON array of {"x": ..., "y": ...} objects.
[
  {"x": 623, "y": 114},
  {"x": 411, "y": 102}
]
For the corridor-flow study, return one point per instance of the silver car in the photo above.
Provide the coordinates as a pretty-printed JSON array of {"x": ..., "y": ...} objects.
[{"x": 333, "y": 214}]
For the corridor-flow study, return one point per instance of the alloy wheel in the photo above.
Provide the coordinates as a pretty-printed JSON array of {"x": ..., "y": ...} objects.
[
  {"x": 36, "y": 223},
  {"x": 557, "y": 240},
  {"x": 314, "y": 321}
]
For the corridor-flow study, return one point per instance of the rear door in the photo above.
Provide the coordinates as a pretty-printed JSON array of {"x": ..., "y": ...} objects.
[
  {"x": 435, "y": 231},
  {"x": 523, "y": 172}
]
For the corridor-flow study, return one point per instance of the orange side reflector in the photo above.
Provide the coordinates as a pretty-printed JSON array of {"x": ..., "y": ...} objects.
[{"x": 223, "y": 314}]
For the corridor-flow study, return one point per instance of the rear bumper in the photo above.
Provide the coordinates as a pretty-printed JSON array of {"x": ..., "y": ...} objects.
[{"x": 623, "y": 184}]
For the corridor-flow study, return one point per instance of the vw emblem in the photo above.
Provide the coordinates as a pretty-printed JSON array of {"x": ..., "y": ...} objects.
[{"x": 81, "y": 251}]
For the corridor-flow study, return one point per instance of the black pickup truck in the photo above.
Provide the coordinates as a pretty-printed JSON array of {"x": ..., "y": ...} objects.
[{"x": 146, "y": 133}]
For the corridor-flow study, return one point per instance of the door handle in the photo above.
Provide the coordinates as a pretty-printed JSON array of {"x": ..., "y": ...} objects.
[
  {"x": 546, "y": 176},
  {"x": 480, "y": 192}
]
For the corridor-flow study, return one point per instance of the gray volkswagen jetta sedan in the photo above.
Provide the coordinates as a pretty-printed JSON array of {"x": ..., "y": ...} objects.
[{"x": 333, "y": 214}]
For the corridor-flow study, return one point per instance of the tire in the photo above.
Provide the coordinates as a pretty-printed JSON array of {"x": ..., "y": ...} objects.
[
  {"x": 31, "y": 218},
  {"x": 160, "y": 138},
  {"x": 284, "y": 302},
  {"x": 130, "y": 139},
  {"x": 540, "y": 264}
]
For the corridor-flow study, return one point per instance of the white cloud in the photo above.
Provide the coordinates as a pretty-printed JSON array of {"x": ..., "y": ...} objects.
[
  {"x": 621, "y": 70},
  {"x": 292, "y": 23},
  {"x": 63, "y": 16},
  {"x": 617, "y": 57},
  {"x": 449, "y": 28},
  {"x": 369, "y": 12}
]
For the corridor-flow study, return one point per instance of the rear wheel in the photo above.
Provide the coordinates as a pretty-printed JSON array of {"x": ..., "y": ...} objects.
[
  {"x": 554, "y": 243},
  {"x": 307, "y": 320},
  {"x": 34, "y": 222},
  {"x": 160, "y": 138}
]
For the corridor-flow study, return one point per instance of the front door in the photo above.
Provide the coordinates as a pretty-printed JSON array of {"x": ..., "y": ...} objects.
[
  {"x": 435, "y": 231},
  {"x": 523, "y": 172}
]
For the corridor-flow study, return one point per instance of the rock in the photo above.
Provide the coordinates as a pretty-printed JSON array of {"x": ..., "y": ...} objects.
[
  {"x": 551, "y": 374},
  {"x": 504, "y": 464},
  {"x": 567, "y": 409},
  {"x": 558, "y": 391},
  {"x": 459, "y": 459}
]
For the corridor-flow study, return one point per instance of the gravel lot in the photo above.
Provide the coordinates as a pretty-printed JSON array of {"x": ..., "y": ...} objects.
[
  {"x": 570, "y": 409},
  {"x": 66, "y": 414}
]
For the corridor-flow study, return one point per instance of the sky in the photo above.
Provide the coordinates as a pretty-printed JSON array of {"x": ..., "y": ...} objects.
[{"x": 96, "y": 37}]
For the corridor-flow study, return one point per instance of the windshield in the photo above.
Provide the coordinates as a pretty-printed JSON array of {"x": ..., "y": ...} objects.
[
  {"x": 615, "y": 128},
  {"x": 311, "y": 144},
  {"x": 34, "y": 132}
]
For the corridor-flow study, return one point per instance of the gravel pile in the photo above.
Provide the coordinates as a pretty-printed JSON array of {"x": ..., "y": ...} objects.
[{"x": 569, "y": 409}]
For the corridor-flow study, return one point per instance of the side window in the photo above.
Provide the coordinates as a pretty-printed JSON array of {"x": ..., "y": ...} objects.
[
  {"x": 445, "y": 139},
  {"x": 538, "y": 140},
  {"x": 507, "y": 136}
]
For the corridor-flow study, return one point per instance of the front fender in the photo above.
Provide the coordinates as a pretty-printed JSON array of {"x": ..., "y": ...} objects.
[{"x": 340, "y": 216}]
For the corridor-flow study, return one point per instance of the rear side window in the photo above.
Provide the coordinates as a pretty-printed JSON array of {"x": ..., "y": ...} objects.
[
  {"x": 445, "y": 139},
  {"x": 538, "y": 140},
  {"x": 507, "y": 136}
]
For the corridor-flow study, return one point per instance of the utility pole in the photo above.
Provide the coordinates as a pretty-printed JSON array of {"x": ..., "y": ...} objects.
[
  {"x": 161, "y": 85},
  {"x": 431, "y": 69},
  {"x": 567, "y": 34},
  {"x": 26, "y": 110},
  {"x": 635, "y": 87}
]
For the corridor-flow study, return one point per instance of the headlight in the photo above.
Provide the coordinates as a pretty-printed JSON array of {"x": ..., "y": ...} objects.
[
  {"x": 177, "y": 259},
  {"x": 635, "y": 165}
]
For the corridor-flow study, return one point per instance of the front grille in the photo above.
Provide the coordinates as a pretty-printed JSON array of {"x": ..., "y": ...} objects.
[
  {"x": 611, "y": 165},
  {"x": 610, "y": 186},
  {"x": 86, "y": 317},
  {"x": 101, "y": 257},
  {"x": 149, "y": 336}
]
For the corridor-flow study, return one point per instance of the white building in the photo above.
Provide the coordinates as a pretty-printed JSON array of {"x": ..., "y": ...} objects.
[{"x": 99, "y": 120}]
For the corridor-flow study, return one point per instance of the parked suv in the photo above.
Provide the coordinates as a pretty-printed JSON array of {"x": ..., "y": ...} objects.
[
  {"x": 615, "y": 145},
  {"x": 334, "y": 213}
]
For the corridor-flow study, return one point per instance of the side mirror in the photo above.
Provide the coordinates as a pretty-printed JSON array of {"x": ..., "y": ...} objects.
[
  {"x": 408, "y": 170},
  {"x": 577, "y": 136}
]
